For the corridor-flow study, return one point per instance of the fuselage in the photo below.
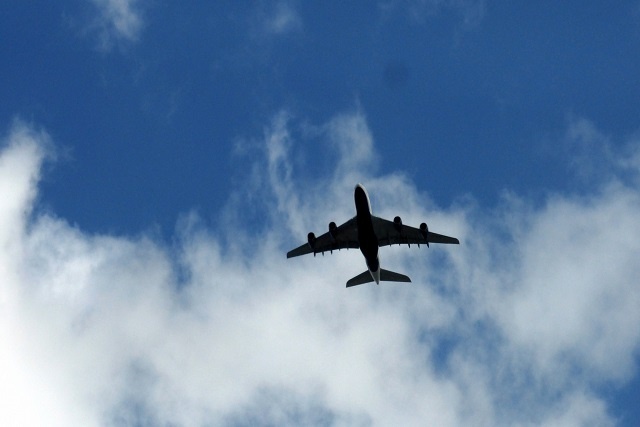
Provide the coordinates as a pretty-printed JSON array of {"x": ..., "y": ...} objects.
[{"x": 367, "y": 238}]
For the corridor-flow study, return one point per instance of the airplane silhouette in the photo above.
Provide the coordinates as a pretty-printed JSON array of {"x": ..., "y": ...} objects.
[{"x": 368, "y": 233}]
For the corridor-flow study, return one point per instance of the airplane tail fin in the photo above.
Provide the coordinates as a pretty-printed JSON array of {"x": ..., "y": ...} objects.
[{"x": 385, "y": 276}]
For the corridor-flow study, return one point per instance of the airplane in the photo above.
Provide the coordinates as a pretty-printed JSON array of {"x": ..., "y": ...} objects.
[{"x": 368, "y": 233}]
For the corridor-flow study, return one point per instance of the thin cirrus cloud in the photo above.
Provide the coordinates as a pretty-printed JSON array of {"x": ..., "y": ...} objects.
[
  {"x": 284, "y": 18},
  {"x": 117, "y": 21},
  {"x": 521, "y": 324},
  {"x": 274, "y": 18},
  {"x": 471, "y": 12}
]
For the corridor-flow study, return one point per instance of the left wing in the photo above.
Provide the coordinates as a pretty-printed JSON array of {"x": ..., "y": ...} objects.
[
  {"x": 394, "y": 233},
  {"x": 343, "y": 237}
]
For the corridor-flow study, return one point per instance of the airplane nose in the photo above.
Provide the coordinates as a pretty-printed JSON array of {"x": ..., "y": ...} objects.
[{"x": 360, "y": 196}]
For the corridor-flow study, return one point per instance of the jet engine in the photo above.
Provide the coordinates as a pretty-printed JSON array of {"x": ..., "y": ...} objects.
[
  {"x": 397, "y": 222},
  {"x": 311, "y": 239},
  {"x": 424, "y": 230},
  {"x": 332, "y": 230}
]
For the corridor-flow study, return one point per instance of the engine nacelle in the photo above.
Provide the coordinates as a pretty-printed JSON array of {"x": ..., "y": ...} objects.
[
  {"x": 332, "y": 229},
  {"x": 397, "y": 223},
  {"x": 424, "y": 230},
  {"x": 311, "y": 240}
]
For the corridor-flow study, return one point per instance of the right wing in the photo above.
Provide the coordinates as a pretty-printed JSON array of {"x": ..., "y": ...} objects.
[
  {"x": 344, "y": 237},
  {"x": 390, "y": 234}
]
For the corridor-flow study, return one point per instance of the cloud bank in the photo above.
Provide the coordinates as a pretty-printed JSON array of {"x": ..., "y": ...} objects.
[{"x": 523, "y": 324}]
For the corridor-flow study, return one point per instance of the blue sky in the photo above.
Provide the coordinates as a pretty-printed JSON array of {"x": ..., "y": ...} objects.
[{"x": 159, "y": 159}]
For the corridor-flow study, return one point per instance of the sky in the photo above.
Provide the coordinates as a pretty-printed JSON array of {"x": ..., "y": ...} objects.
[{"x": 158, "y": 159}]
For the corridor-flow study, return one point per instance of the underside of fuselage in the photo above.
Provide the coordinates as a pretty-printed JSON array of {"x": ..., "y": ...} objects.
[{"x": 367, "y": 238}]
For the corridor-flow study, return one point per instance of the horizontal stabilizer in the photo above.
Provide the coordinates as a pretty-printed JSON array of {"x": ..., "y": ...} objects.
[
  {"x": 360, "y": 279},
  {"x": 385, "y": 276},
  {"x": 390, "y": 276}
]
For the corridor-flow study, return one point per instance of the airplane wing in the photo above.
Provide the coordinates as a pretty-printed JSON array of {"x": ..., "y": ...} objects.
[
  {"x": 390, "y": 233},
  {"x": 344, "y": 236}
]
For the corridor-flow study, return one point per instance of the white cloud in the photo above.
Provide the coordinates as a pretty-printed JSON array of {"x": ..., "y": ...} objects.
[
  {"x": 596, "y": 159},
  {"x": 577, "y": 299},
  {"x": 117, "y": 20},
  {"x": 519, "y": 325}
]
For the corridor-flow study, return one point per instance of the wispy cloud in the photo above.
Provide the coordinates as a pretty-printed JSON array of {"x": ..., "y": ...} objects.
[
  {"x": 275, "y": 18},
  {"x": 471, "y": 11},
  {"x": 117, "y": 21},
  {"x": 519, "y": 325},
  {"x": 282, "y": 18}
]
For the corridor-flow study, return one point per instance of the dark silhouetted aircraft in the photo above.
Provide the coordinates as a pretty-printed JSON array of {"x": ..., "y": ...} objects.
[{"x": 367, "y": 233}]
